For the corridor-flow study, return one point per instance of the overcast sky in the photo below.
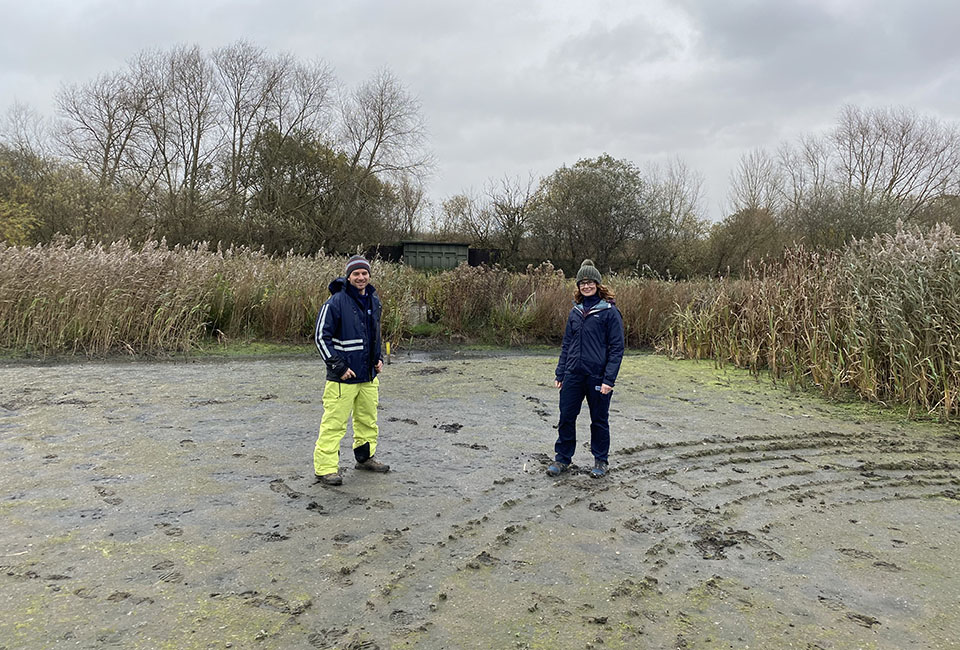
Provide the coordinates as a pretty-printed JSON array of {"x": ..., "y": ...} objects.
[{"x": 511, "y": 87}]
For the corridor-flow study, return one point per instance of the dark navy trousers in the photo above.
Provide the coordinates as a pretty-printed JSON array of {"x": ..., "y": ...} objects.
[{"x": 575, "y": 388}]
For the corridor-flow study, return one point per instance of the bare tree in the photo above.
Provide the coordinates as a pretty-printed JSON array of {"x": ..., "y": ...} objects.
[
  {"x": 756, "y": 183},
  {"x": 101, "y": 121},
  {"x": 245, "y": 82},
  {"x": 678, "y": 224},
  {"x": 183, "y": 117},
  {"x": 411, "y": 203},
  {"x": 511, "y": 203},
  {"x": 469, "y": 217},
  {"x": 301, "y": 100},
  {"x": 26, "y": 130},
  {"x": 383, "y": 129},
  {"x": 896, "y": 156}
]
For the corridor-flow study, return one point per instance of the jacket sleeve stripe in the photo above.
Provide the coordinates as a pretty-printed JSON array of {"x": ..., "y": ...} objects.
[{"x": 318, "y": 335}]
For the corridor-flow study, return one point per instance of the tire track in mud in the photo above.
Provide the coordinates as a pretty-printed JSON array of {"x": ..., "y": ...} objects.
[{"x": 683, "y": 519}]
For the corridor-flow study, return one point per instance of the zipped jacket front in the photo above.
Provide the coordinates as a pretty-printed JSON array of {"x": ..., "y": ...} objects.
[
  {"x": 592, "y": 342},
  {"x": 347, "y": 336}
]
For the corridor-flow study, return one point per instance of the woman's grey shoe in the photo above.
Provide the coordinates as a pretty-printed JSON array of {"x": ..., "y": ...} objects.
[
  {"x": 329, "y": 479},
  {"x": 599, "y": 469},
  {"x": 370, "y": 465},
  {"x": 557, "y": 468}
]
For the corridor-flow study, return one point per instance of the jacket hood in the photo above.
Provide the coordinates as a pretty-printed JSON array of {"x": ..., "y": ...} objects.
[{"x": 337, "y": 285}]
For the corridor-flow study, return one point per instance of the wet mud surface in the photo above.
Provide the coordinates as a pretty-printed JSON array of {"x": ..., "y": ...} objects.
[{"x": 173, "y": 505}]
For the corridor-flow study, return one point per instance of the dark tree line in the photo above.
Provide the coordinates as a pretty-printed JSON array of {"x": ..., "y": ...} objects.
[
  {"x": 240, "y": 146},
  {"x": 234, "y": 146}
]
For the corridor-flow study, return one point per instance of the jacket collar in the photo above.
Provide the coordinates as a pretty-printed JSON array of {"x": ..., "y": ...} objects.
[
  {"x": 600, "y": 306},
  {"x": 340, "y": 284}
]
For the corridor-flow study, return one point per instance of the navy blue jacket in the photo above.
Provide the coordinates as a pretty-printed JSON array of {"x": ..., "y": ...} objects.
[
  {"x": 346, "y": 336},
  {"x": 592, "y": 343}
]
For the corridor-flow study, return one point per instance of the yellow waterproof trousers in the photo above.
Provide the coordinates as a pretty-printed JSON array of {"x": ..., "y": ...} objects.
[{"x": 339, "y": 401}]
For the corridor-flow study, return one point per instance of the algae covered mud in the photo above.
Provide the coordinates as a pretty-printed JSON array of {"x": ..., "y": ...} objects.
[{"x": 172, "y": 505}]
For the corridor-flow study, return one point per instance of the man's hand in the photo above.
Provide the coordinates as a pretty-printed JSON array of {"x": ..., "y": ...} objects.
[
  {"x": 379, "y": 366},
  {"x": 558, "y": 384},
  {"x": 605, "y": 389},
  {"x": 348, "y": 375}
]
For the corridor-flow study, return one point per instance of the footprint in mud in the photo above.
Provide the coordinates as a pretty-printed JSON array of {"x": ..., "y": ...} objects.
[
  {"x": 671, "y": 503},
  {"x": 430, "y": 370},
  {"x": 597, "y": 506},
  {"x": 402, "y": 618},
  {"x": 404, "y": 420},
  {"x": 278, "y": 486},
  {"x": 169, "y": 529},
  {"x": 167, "y": 574},
  {"x": 272, "y": 537},
  {"x": 863, "y": 619},
  {"x": 482, "y": 559},
  {"x": 643, "y": 528},
  {"x": 548, "y": 601},
  {"x": 393, "y": 535},
  {"x": 172, "y": 577},
  {"x": 712, "y": 544},
  {"x": 324, "y": 639},
  {"x": 109, "y": 496},
  {"x": 187, "y": 443},
  {"x": 57, "y": 577},
  {"x": 887, "y": 566},
  {"x": 453, "y": 427},
  {"x": 475, "y": 445},
  {"x": 541, "y": 406},
  {"x": 313, "y": 506},
  {"x": 629, "y": 589}
]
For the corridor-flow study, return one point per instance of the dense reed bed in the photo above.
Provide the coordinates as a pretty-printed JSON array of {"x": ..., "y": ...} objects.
[
  {"x": 880, "y": 318},
  {"x": 94, "y": 299}
]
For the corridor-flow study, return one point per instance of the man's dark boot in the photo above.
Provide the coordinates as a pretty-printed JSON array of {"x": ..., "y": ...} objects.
[
  {"x": 370, "y": 465},
  {"x": 329, "y": 479}
]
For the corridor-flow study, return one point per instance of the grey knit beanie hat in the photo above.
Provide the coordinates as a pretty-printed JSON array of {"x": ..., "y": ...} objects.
[
  {"x": 588, "y": 272},
  {"x": 354, "y": 263}
]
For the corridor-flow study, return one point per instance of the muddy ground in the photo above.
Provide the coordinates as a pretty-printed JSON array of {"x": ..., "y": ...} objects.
[{"x": 173, "y": 505}]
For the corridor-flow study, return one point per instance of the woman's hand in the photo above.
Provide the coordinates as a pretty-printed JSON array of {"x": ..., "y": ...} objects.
[
  {"x": 558, "y": 383},
  {"x": 348, "y": 374},
  {"x": 605, "y": 389}
]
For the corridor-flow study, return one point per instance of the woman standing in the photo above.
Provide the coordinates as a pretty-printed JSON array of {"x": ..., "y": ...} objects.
[{"x": 589, "y": 362}]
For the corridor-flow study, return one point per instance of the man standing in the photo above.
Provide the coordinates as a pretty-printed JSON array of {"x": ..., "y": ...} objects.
[{"x": 348, "y": 338}]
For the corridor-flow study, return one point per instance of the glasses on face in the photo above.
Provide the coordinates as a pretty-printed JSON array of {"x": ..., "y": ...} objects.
[{"x": 588, "y": 283}]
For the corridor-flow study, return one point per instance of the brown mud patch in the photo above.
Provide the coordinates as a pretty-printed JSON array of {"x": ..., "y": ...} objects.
[{"x": 172, "y": 505}]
